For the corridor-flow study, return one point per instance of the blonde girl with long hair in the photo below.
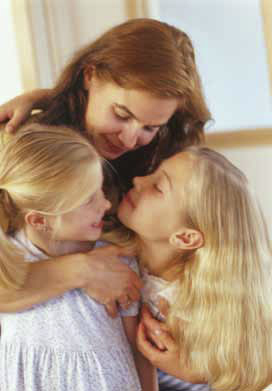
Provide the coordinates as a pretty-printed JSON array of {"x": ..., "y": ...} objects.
[
  {"x": 52, "y": 200},
  {"x": 205, "y": 254}
]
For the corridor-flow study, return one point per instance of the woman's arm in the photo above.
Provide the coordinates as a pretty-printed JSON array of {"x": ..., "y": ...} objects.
[
  {"x": 99, "y": 271},
  {"x": 18, "y": 109},
  {"x": 146, "y": 371},
  {"x": 167, "y": 357}
]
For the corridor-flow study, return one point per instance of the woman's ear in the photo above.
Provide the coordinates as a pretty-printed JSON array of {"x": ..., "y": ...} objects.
[
  {"x": 88, "y": 73},
  {"x": 187, "y": 239},
  {"x": 36, "y": 220}
]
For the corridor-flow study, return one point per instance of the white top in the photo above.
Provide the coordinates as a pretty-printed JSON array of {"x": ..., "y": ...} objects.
[
  {"x": 155, "y": 289},
  {"x": 68, "y": 343}
]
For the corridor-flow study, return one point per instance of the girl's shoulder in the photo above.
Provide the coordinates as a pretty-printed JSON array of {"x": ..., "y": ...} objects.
[
  {"x": 128, "y": 260},
  {"x": 31, "y": 253}
]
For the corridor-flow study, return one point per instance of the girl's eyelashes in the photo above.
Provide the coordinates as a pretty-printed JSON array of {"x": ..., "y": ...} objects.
[{"x": 157, "y": 188}]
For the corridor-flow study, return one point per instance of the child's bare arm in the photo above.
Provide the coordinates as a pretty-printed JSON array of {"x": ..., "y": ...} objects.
[{"x": 146, "y": 371}]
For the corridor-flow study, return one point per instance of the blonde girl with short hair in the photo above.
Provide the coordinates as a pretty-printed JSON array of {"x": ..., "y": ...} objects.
[
  {"x": 205, "y": 252},
  {"x": 52, "y": 199}
]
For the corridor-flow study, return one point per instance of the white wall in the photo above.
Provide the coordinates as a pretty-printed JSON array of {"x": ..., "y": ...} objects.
[
  {"x": 10, "y": 77},
  {"x": 231, "y": 55}
]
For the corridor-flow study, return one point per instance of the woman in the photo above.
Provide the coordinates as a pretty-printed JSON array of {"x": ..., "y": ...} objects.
[{"x": 138, "y": 104}]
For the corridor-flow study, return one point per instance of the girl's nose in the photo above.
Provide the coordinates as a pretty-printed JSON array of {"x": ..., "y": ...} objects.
[
  {"x": 137, "y": 182},
  {"x": 105, "y": 205}
]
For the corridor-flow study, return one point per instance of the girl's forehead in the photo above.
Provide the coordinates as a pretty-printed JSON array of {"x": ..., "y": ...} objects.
[{"x": 179, "y": 167}]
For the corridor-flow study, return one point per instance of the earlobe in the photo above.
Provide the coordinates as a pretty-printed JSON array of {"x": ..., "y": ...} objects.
[
  {"x": 187, "y": 239},
  {"x": 36, "y": 220}
]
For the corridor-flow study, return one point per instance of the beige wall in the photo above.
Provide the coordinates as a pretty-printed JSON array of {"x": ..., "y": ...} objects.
[
  {"x": 50, "y": 31},
  {"x": 251, "y": 151}
]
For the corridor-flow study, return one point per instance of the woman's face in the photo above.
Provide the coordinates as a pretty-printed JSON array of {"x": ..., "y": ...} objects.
[
  {"x": 153, "y": 208},
  {"x": 121, "y": 120}
]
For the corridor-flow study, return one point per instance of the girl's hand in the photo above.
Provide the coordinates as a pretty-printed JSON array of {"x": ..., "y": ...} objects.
[
  {"x": 167, "y": 359},
  {"x": 161, "y": 349},
  {"x": 153, "y": 327},
  {"x": 108, "y": 280}
]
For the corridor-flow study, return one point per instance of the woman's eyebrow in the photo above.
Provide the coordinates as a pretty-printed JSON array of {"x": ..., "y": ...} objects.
[{"x": 122, "y": 107}]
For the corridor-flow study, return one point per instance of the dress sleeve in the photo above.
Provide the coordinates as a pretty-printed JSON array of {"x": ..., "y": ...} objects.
[{"x": 134, "y": 308}]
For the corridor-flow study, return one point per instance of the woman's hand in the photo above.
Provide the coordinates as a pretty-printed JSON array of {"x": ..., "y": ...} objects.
[
  {"x": 17, "y": 110},
  {"x": 108, "y": 280}
]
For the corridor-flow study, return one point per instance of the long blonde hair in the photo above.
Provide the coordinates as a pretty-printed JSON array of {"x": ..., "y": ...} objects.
[
  {"x": 222, "y": 317},
  {"x": 42, "y": 169}
]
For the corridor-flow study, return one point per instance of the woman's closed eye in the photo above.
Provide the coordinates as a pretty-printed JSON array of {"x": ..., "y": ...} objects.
[
  {"x": 121, "y": 117},
  {"x": 152, "y": 128}
]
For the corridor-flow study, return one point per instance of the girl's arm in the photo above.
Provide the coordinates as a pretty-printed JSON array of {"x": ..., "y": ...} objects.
[
  {"x": 146, "y": 371},
  {"x": 100, "y": 271},
  {"x": 163, "y": 353},
  {"x": 18, "y": 109}
]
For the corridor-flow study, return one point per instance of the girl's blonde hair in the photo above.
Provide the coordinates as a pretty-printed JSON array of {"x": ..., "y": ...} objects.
[
  {"x": 47, "y": 169},
  {"x": 222, "y": 317}
]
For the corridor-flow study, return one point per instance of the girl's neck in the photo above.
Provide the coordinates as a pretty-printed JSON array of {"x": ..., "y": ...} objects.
[
  {"x": 159, "y": 258},
  {"x": 55, "y": 247}
]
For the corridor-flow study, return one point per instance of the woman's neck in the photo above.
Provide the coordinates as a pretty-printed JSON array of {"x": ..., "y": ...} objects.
[
  {"x": 55, "y": 247},
  {"x": 159, "y": 258}
]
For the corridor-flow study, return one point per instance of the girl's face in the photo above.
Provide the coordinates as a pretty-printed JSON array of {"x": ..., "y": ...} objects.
[
  {"x": 85, "y": 222},
  {"x": 121, "y": 120},
  {"x": 153, "y": 208}
]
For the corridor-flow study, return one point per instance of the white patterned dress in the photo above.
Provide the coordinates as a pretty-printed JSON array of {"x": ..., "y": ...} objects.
[
  {"x": 66, "y": 344},
  {"x": 154, "y": 290}
]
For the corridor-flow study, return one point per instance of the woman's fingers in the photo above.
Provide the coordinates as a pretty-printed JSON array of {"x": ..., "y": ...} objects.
[
  {"x": 14, "y": 116},
  {"x": 112, "y": 309},
  {"x": 16, "y": 119}
]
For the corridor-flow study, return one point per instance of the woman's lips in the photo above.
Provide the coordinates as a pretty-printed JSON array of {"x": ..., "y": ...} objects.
[{"x": 114, "y": 148}]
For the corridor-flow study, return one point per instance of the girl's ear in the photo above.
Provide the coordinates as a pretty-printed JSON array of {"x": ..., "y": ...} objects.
[
  {"x": 87, "y": 76},
  {"x": 36, "y": 220},
  {"x": 187, "y": 239}
]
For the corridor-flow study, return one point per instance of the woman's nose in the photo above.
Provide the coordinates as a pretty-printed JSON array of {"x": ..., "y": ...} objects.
[{"x": 129, "y": 135}]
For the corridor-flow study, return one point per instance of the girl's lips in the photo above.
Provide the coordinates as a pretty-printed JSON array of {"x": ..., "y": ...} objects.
[
  {"x": 128, "y": 199},
  {"x": 98, "y": 225}
]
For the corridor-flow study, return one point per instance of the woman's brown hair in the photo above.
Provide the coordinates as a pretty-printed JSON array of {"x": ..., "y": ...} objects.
[{"x": 143, "y": 54}]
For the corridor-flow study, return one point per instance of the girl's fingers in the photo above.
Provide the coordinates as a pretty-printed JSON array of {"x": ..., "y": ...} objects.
[
  {"x": 144, "y": 345},
  {"x": 153, "y": 325},
  {"x": 167, "y": 341}
]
